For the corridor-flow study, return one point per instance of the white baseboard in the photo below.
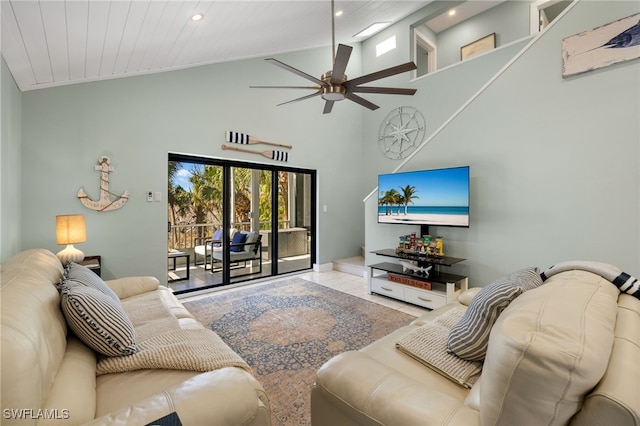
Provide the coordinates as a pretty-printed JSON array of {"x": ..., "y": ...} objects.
[{"x": 324, "y": 267}]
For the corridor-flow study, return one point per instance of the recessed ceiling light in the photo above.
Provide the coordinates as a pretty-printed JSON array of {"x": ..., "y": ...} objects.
[
  {"x": 452, "y": 12},
  {"x": 339, "y": 13},
  {"x": 373, "y": 28},
  {"x": 197, "y": 17}
]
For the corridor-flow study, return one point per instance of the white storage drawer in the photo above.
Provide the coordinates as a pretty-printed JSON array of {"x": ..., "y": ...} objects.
[
  {"x": 386, "y": 288},
  {"x": 426, "y": 298},
  {"x": 445, "y": 287}
]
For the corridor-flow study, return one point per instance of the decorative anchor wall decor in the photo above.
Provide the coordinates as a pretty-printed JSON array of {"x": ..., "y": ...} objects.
[{"x": 105, "y": 203}]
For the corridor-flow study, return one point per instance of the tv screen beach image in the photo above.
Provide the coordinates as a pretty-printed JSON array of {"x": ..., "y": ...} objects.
[{"x": 432, "y": 197}]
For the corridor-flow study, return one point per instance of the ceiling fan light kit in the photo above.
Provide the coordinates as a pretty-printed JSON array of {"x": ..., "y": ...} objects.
[{"x": 334, "y": 85}]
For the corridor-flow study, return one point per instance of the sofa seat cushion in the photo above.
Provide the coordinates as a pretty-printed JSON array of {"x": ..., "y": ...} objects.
[
  {"x": 374, "y": 393},
  {"x": 228, "y": 396},
  {"x": 169, "y": 301},
  {"x": 119, "y": 390},
  {"x": 384, "y": 352},
  {"x": 428, "y": 345},
  {"x": 548, "y": 349}
]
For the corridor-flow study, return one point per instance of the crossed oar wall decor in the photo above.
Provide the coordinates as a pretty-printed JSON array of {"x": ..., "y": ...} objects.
[{"x": 244, "y": 139}]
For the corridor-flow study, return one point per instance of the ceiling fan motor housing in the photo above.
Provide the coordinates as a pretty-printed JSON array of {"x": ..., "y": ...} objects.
[{"x": 333, "y": 92}]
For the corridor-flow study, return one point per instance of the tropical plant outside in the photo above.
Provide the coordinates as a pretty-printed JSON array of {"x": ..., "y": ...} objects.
[{"x": 202, "y": 201}]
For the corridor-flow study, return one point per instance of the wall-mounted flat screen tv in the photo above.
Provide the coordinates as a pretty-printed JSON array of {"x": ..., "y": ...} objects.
[{"x": 438, "y": 197}]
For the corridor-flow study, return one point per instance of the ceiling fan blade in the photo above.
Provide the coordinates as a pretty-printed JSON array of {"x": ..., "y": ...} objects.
[
  {"x": 365, "y": 103},
  {"x": 301, "y": 99},
  {"x": 285, "y": 87},
  {"x": 398, "y": 69},
  {"x": 296, "y": 71},
  {"x": 384, "y": 90},
  {"x": 328, "y": 105},
  {"x": 340, "y": 63}
]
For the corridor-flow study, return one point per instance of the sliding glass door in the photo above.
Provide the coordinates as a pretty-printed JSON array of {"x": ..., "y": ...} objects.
[{"x": 239, "y": 221}]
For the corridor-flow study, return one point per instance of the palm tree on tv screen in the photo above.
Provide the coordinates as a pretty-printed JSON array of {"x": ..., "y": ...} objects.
[
  {"x": 408, "y": 195},
  {"x": 390, "y": 198}
]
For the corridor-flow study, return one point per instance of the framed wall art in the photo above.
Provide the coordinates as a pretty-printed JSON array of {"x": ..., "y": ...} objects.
[
  {"x": 615, "y": 42},
  {"x": 477, "y": 47}
]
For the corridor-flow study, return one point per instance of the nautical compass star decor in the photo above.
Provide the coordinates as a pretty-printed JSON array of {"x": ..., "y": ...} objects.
[
  {"x": 105, "y": 203},
  {"x": 401, "y": 131}
]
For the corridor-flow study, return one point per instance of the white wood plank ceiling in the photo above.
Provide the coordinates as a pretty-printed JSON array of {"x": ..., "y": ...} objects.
[{"x": 49, "y": 43}]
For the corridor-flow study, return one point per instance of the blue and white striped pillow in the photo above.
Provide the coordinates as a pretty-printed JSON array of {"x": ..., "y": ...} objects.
[
  {"x": 469, "y": 338},
  {"x": 98, "y": 320},
  {"x": 85, "y": 276}
]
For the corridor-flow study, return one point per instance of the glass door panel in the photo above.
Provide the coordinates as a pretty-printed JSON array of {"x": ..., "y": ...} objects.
[
  {"x": 294, "y": 221},
  {"x": 210, "y": 200},
  {"x": 250, "y": 206}
]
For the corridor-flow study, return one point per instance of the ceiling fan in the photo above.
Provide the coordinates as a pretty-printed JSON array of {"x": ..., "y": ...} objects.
[{"x": 334, "y": 86}]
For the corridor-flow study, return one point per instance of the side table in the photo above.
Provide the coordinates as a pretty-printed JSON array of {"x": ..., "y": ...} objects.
[
  {"x": 94, "y": 263},
  {"x": 175, "y": 255}
]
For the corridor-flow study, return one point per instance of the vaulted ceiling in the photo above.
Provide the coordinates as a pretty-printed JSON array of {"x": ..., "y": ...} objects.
[
  {"x": 48, "y": 43},
  {"x": 56, "y": 42}
]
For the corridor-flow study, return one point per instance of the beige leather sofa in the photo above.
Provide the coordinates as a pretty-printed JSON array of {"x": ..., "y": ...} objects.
[
  {"x": 49, "y": 375},
  {"x": 566, "y": 352}
]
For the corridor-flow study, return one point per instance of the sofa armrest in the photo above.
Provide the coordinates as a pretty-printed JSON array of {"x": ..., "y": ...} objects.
[
  {"x": 467, "y": 295},
  {"x": 131, "y": 286},
  {"x": 353, "y": 388},
  {"x": 229, "y": 396}
]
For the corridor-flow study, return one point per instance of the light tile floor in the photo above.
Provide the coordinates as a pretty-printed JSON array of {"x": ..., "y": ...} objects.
[{"x": 347, "y": 283}]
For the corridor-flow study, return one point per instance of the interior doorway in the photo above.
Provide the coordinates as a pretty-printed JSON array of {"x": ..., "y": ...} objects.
[{"x": 238, "y": 221}]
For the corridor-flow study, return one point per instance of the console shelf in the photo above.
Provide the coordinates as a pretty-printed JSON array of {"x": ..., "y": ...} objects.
[{"x": 444, "y": 287}]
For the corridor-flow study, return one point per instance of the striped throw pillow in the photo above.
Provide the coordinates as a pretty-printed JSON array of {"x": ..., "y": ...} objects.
[
  {"x": 469, "y": 338},
  {"x": 98, "y": 320},
  {"x": 85, "y": 276}
]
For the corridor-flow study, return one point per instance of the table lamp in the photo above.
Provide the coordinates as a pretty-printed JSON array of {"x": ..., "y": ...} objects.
[{"x": 70, "y": 229}]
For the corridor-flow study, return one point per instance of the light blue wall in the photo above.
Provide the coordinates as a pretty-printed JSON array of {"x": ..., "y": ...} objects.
[
  {"x": 509, "y": 20},
  {"x": 552, "y": 158},
  {"x": 137, "y": 121},
  {"x": 554, "y": 173},
  {"x": 10, "y": 164}
]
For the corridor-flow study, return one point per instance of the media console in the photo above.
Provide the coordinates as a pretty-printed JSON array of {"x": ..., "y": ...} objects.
[{"x": 432, "y": 291}]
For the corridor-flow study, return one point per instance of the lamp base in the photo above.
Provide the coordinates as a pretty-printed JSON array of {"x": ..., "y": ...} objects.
[{"x": 70, "y": 254}]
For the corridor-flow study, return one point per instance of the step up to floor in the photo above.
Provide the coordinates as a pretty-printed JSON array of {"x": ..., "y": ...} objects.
[{"x": 351, "y": 265}]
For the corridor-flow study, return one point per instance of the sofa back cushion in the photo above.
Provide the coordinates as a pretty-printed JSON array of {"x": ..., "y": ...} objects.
[
  {"x": 33, "y": 329},
  {"x": 616, "y": 398},
  {"x": 469, "y": 338},
  {"x": 547, "y": 350}
]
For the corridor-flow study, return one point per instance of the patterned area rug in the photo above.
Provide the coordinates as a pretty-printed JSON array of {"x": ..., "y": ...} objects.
[{"x": 287, "y": 329}]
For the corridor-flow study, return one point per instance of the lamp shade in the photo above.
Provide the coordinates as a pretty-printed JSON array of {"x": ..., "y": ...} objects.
[{"x": 70, "y": 229}]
